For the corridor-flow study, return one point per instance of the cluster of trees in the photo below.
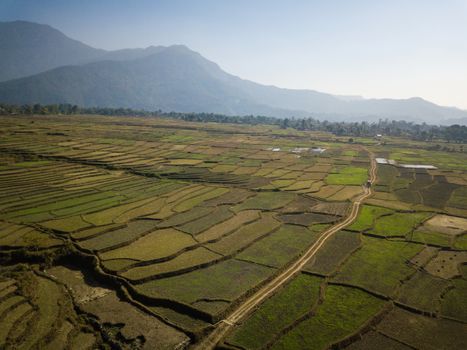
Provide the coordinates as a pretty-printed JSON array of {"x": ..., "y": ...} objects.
[
  {"x": 66, "y": 108},
  {"x": 424, "y": 132}
]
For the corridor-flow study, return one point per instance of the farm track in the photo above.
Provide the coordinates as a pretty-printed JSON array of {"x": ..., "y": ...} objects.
[{"x": 224, "y": 326}]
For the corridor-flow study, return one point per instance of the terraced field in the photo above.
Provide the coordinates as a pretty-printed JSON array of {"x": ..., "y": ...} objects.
[{"x": 145, "y": 233}]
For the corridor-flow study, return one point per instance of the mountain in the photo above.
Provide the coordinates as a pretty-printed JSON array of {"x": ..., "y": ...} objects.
[
  {"x": 172, "y": 78},
  {"x": 349, "y": 97},
  {"x": 29, "y": 48},
  {"x": 131, "y": 54}
]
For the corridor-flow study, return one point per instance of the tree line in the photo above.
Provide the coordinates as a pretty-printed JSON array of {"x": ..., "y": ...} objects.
[{"x": 423, "y": 132}]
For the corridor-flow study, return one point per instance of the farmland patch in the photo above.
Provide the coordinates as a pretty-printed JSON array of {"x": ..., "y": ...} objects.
[
  {"x": 366, "y": 217},
  {"x": 307, "y": 219},
  {"x": 334, "y": 252},
  {"x": 423, "y": 332},
  {"x": 280, "y": 246},
  {"x": 229, "y": 226},
  {"x": 119, "y": 237},
  {"x": 343, "y": 311},
  {"x": 446, "y": 264},
  {"x": 423, "y": 291},
  {"x": 374, "y": 340},
  {"x": 294, "y": 300},
  {"x": 245, "y": 235},
  {"x": 398, "y": 224},
  {"x": 379, "y": 265},
  {"x": 189, "y": 259},
  {"x": 213, "y": 282},
  {"x": 154, "y": 245},
  {"x": 266, "y": 201},
  {"x": 452, "y": 304},
  {"x": 348, "y": 176}
]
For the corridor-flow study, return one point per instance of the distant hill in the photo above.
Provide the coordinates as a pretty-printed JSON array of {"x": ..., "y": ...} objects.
[
  {"x": 29, "y": 48},
  {"x": 171, "y": 78}
]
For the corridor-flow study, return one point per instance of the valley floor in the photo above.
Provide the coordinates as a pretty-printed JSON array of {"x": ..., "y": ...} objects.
[{"x": 146, "y": 233}]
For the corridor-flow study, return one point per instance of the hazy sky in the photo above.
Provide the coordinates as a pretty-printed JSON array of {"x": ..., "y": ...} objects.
[{"x": 390, "y": 48}]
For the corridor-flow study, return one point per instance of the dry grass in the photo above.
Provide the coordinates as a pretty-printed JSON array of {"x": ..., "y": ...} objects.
[{"x": 155, "y": 245}]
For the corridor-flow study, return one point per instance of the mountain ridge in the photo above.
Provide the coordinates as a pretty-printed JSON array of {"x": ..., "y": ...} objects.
[{"x": 175, "y": 78}]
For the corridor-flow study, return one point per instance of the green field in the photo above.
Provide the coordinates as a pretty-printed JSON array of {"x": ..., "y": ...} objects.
[
  {"x": 211, "y": 283},
  {"x": 295, "y": 300},
  {"x": 423, "y": 332},
  {"x": 452, "y": 304},
  {"x": 348, "y": 176},
  {"x": 343, "y": 311},
  {"x": 334, "y": 252},
  {"x": 423, "y": 292},
  {"x": 245, "y": 235},
  {"x": 398, "y": 224},
  {"x": 379, "y": 265},
  {"x": 154, "y": 245},
  {"x": 266, "y": 201},
  {"x": 279, "y": 247},
  {"x": 367, "y": 216},
  {"x": 158, "y": 228}
]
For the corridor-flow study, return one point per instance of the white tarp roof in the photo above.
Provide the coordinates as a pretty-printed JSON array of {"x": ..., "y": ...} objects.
[{"x": 417, "y": 166}]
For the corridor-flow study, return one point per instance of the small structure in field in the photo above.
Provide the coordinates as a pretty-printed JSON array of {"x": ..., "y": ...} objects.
[
  {"x": 318, "y": 150},
  {"x": 385, "y": 161},
  {"x": 300, "y": 149},
  {"x": 407, "y": 166},
  {"x": 381, "y": 161},
  {"x": 417, "y": 166}
]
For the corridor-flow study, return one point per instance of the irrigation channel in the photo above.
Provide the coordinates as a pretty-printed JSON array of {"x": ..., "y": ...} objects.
[{"x": 224, "y": 326}]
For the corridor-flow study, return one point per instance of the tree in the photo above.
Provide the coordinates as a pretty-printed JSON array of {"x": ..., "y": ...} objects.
[{"x": 37, "y": 108}]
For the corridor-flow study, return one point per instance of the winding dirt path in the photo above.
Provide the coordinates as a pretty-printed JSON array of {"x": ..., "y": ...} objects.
[{"x": 222, "y": 327}]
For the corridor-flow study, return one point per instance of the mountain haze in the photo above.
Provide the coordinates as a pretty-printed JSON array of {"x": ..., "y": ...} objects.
[
  {"x": 30, "y": 48},
  {"x": 56, "y": 69}
]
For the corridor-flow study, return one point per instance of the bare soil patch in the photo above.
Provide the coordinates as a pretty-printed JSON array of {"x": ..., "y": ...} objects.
[
  {"x": 446, "y": 224},
  {"x": 446, "y": 264}
]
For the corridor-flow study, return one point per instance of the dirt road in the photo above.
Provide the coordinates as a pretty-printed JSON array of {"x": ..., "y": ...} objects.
[{"x": 222, "y": 327}]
